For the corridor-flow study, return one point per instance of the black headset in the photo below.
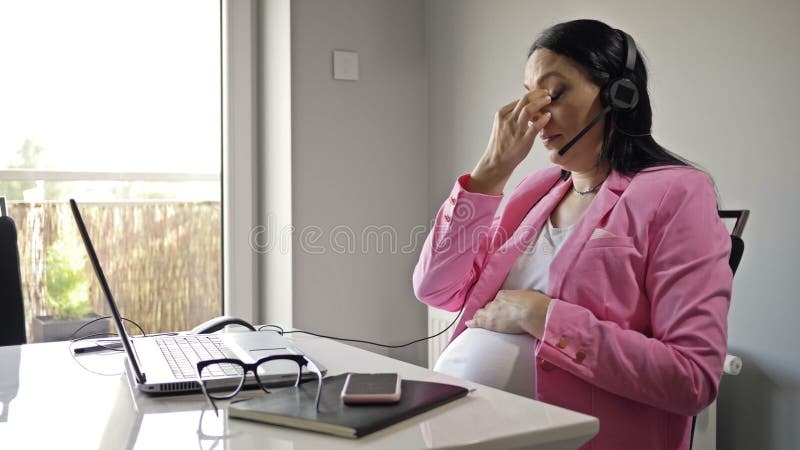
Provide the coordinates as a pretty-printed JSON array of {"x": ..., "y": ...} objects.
[{"x": 620, "y": 94}]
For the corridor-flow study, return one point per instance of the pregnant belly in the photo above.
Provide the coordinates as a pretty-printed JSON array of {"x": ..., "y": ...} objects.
[{"x": 501, "y": 360}]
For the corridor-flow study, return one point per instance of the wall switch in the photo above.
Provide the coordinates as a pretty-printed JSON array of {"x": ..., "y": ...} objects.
[{"x": 345, "y": 65}]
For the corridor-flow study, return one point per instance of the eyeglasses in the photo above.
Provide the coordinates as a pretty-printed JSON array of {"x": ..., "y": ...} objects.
[{"x": 214, "y": 375}]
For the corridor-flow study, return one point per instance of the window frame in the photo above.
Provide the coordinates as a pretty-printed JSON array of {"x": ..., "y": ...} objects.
[{"x": 239, "y": 157}]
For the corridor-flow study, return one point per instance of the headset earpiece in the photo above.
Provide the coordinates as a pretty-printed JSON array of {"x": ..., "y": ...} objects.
[{"x": 621, "y": 93}]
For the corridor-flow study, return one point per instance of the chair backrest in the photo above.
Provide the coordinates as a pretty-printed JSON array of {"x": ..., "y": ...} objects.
[
  {"x": 737, "y": 244},
  {"x": 12, "y": 307},
  {"x": 737, "y": 249}
]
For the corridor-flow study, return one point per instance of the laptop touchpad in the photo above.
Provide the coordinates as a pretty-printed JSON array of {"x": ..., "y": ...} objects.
[{"x": 258, "y": 344}]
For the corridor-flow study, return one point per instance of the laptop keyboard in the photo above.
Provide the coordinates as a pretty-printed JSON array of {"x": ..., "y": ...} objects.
[{"x": 183, "y": 353}]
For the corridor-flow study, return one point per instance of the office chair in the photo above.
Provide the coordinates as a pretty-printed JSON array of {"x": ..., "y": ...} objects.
[
  {"x": 737, "y": 244},
  {"x": 737, "y": 249},
  {"x": 12, "y": 309}
]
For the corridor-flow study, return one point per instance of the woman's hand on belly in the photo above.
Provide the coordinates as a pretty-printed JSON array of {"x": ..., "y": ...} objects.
[{"x": 514, "y": 312}]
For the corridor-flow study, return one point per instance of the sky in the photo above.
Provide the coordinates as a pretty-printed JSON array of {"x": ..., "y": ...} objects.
[{"x": 112, "y": 85}]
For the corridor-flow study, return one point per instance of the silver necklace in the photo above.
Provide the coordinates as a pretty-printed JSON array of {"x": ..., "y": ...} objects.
[{"x": 592, "y": 189}]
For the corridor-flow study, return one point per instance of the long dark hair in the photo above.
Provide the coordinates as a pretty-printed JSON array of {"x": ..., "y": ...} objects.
[{"x": 601, "y": 51}]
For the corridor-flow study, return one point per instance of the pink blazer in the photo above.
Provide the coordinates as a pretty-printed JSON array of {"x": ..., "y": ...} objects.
[{"x": 637, "y": 335}]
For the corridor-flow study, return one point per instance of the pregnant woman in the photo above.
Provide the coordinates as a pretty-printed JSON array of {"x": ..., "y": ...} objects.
[{"x": 604, "y": 285}]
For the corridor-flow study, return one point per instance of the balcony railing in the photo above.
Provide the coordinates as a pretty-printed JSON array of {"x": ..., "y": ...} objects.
[
  {"x": 73, "y": 175},
  {"x": 162, "y": 258}
]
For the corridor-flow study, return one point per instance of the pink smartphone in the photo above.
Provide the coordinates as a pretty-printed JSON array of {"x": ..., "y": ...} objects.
[{"x": 371, "y": 388}]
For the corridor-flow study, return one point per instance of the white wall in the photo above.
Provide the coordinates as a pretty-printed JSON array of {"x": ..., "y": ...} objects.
[
  {"x": 385, "y": 150},
  {"x": 724, "y": 90},
  {"x": 359, "y": 165}
]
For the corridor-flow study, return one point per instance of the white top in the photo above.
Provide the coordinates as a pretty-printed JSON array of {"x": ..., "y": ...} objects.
[
  {"x": 532, "y": 268},
  {"x": 501, "y": 360}
]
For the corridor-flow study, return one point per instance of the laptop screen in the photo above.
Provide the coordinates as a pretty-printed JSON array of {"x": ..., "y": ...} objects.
[{"x": 123, "y": 335}]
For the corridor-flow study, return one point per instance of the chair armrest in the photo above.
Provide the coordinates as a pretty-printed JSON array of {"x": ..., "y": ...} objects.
[{"x": 733, "y": 365}]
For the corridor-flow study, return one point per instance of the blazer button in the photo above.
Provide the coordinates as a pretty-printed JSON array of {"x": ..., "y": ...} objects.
[
  {"x": 446, "y": 218},
  {"x": 547, "y": 366},
  {"x": 562, "y": 343},
  {"x": 580, "y": 356},
  {"x": 453, "y": 200}
]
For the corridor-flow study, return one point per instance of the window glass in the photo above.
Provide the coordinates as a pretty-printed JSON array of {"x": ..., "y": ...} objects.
[{"x": 118, "y": 105}]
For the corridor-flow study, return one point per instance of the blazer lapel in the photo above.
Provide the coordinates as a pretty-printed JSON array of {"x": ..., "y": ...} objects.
[
  {"x": 534, "y": 219},
  {"x": 520, "y": 203},
  {"x": 606, "y": 198},
  {"x": 525, "y": 214}
]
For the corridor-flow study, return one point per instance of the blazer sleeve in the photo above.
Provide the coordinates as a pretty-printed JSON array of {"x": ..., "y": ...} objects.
[
  {"x": 688, "y": 282},
  {"x": 454, "y": 251}
]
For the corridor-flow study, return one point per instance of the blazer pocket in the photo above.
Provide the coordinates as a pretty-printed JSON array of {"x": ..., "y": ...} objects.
[{"x": 611, "y": 241}]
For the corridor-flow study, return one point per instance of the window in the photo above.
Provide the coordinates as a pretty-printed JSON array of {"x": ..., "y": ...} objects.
[{"x": 118, "y": 105}]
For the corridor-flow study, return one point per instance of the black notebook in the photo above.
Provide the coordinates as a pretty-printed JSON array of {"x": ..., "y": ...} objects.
[{"x": 294, "y": 407}]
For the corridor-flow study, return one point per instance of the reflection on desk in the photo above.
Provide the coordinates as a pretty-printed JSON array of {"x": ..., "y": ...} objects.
[
  {"x": 57, "y": 403},
  {"x": 9, "y": 380}
]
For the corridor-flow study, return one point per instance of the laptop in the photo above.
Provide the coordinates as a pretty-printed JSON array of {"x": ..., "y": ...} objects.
[{"x": 168, "y": 364}]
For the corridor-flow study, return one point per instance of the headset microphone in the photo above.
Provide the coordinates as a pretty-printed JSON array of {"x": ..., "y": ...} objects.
[
  {"x": 619, "y": 94},
  {"x": 584, "y": 131}
]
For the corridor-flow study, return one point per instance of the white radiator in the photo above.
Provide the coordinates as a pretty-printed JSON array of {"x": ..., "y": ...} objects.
[{"x": 438, "y": 320}]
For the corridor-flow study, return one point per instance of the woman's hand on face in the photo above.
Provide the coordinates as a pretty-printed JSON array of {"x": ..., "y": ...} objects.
[
  {"x": 513, "y": 132},
  {"x": 513, "y": 312}
]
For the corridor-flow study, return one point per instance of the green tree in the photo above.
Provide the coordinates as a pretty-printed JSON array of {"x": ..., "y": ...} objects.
[
  {"x": 66, "y": 281},
  {"x": 27, "y": 158},
  {"x": 30, "y": 156}
]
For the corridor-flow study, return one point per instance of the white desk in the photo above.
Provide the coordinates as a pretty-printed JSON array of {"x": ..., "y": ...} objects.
[{"x": 55, "y": 403}]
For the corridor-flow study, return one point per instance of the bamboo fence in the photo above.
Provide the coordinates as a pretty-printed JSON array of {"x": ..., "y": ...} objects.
[{"x": 162, "y": 260}]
